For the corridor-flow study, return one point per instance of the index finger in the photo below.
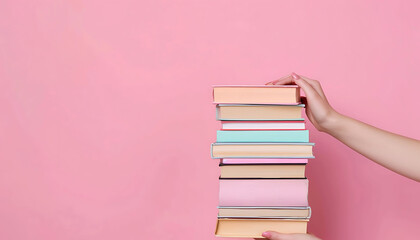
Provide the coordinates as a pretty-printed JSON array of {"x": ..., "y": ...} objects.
[{"x": 287, "y": 80}]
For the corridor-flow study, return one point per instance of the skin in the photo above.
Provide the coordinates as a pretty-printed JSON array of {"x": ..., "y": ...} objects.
[{"x": 395, "y": 152}]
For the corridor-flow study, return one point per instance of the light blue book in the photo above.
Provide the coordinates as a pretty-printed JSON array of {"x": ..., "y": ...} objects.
[{"x": 298, "y": 136}]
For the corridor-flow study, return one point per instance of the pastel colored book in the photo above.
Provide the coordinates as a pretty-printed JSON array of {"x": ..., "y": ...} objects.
[
  {"x": 265, "y": 212},
  {"x": 261, "y": 94},
  {"x": 263, "y": 161},
  {"x": 263, "y": 125},
  {"x": 263, "y": 192},
  {"x": 253, "y": 228},
  {"x": 259, "y": 112},
  {"x": 263, "y": 136},
  {"x": 262, "y": 171},
  {"x": 262, "y": 150}
]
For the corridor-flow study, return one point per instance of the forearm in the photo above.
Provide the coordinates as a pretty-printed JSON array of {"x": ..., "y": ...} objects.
[{"x": 395, "y": 152}]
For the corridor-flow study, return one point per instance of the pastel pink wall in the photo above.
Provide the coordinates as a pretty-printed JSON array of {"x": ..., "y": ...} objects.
[{"x": 106, "y": 116}]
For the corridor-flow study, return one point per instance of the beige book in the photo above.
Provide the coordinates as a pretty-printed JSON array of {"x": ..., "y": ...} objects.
[
  {"x": 264, "y": 212},
  {"x": 280, "y": 94},
  {"x": 262, "y": 150},
  {"x": 253, "y": 228},
  {"x": 259, "y": 112},
  {"x": 262, "y": 171}
]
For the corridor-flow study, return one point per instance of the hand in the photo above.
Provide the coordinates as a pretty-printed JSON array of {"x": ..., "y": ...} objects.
[
  {"x": 318, "y": 110},
  {"x": 280, "y": 236}
]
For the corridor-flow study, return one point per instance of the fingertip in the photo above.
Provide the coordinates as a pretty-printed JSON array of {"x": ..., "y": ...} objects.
[
  {"x": 295, "y": 76},
  {"x": 266, "y": 234}
]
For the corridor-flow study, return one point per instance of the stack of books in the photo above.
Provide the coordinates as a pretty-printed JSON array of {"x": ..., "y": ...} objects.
[{"x": 263, "y": 147}]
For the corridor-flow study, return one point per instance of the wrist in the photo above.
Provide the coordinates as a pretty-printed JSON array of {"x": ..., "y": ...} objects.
[{"x": 332, "y": 123}]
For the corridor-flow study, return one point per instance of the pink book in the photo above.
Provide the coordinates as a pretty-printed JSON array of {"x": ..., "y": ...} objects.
[
  {"x": 263, "y": 192},
  {"x": 264, "y": 161},
  {"x": 257, "y": 94}
]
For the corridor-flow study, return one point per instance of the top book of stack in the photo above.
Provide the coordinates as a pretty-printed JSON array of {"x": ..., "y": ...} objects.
[{"x": 258, "y": 94}]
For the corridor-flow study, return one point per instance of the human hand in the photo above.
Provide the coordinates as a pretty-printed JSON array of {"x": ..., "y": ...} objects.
[
  {"x": 280, "y": 236},
  {"x": 318, "y": 110}
]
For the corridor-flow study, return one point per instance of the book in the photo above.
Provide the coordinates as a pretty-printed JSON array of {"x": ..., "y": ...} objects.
[
  {"x": 265, "y": 212},
  {"x": 253, "y": 228},
  {"x": 261, "y": 94},
  {"x": 263, "y": 125},
  {"x": 259, "y": 112},
  {"x": 263, "y": 192},
  {"x": 262, "y": 171},
  {"x": 263, "y": 136},
  {"x": 262, "y": 150},
  {"x": 263, "y": 161}
]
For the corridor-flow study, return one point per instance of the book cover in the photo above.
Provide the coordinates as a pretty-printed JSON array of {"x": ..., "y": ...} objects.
[
  {"x": 263, "y": 171},
  {"x": 263, "y": 192},
  {"x": 255, "y": 112},
  {"x": 262, "y": 150},
  {"x": 263, "y": 125},
  {"x": 263, "y": 136},
  {"x": 253, "y": 228},
  {"x": 259, "y": 94},
  {"x": 265, "y": 212},
  {"x": 264, "y": 161}
]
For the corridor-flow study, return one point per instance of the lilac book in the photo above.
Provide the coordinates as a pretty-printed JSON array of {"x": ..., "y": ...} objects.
[{"x": 263, "y": 192}]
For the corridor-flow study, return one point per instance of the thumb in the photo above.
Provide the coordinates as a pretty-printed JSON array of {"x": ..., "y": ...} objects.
[
  {"x": 281, "y": 236},
  {"x": 275, "y": 236}
]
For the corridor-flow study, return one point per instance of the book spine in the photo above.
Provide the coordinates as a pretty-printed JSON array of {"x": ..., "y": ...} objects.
[
  {"x": 263, "y": 136},
  {"x": 263, "y": 192}
]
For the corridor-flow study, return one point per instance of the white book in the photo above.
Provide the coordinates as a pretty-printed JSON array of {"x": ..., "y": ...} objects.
[{"x": 258, "y": 125}]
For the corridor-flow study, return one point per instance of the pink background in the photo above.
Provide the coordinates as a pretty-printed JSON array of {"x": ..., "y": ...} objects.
[{"x": 106, "y": 117}]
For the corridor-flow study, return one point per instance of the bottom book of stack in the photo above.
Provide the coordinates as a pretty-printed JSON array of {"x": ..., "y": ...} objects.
[
  {"x": 258, "y": 195},
  {"x": 251, "y": 222}
]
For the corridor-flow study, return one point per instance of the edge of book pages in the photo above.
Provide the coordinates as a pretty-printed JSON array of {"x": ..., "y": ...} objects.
[
  {"x": 259, "y": 207},
  {"x": 238, "y": 120},
  {"x": 264, "y": 86},
  {"x": 260, "y": 143}
]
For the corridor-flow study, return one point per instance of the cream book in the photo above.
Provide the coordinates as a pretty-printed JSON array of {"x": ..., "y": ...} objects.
[
  {"x": 259, "y": 112},
  {"x": 265, "y": 212},
  {"x": 253, "y": 228},
  {"x": 262, "y": 171},
  {"x": 259, "y": 94},
  {"x": 262, "y": 150}
]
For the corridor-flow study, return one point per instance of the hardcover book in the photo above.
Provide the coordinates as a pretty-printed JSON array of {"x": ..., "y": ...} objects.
[
  {"x": 263, "y": 161},
  {"x": 262, "y": 150},
  {"x": 263, "y": 136},
  {"x": 265, "y": 212},
  {"x": 253, "y": 228},
  {"x": 263, "y": 192},
  {"x": 263, "y": 125},
  {"x": 261, "y": 94},
  {"x": 262, "y": 171},
  {"x": 259, "y": 112}
]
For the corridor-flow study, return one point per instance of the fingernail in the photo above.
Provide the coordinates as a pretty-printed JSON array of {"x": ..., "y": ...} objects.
[
  {"x": 295, "y": 76},
  {"x": 266, "y": 234}
]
